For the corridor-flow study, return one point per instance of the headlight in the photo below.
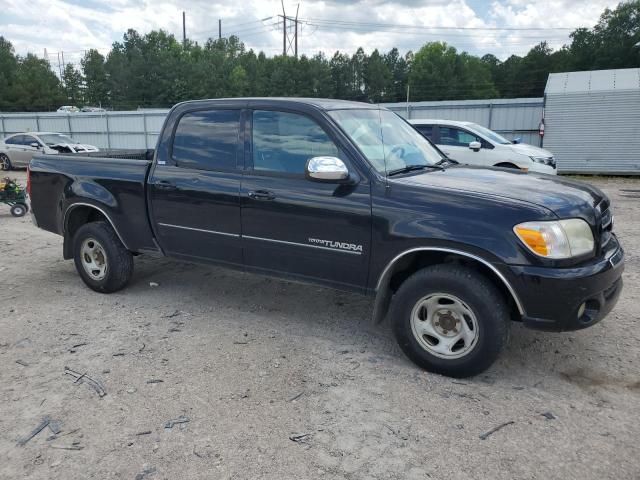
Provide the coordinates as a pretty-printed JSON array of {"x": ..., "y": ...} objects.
[
  {"x": 557, "y": 239},
  {"x": 543, "y": 160}
]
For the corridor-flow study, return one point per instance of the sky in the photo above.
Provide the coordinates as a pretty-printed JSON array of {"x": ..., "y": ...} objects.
[{"x": 501, "y": 27}]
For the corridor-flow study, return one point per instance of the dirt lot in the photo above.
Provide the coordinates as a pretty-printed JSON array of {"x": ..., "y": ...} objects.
[{"x": 253, "y": 363}]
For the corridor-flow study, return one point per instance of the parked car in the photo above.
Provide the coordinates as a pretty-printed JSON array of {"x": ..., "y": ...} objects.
[
  {"x": 473, "y": 144},
  {"x": 17, "y": 150},
  {"x": 68, "y": 109},
  {"x": 350, "y": 196}
]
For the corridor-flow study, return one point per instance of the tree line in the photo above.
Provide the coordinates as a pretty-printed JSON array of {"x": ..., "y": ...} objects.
[{"x": 156, "y": 70}]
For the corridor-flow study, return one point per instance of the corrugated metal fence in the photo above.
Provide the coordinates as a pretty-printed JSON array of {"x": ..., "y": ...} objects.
[
  {"x": 593, "y": 121},
  {"x": 512, "y": 118},
  {"x": 139, "y": 129}
]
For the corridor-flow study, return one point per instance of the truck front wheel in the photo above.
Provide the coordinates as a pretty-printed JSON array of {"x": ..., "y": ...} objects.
[
  {"x": 451, "y": 320},
  {"x": 101, "y": 259}
]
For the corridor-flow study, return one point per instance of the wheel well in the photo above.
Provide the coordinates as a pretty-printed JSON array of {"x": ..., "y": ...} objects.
[
  {"x": 507, "y": 165},
  {"x": 77, "y": 217},
  {"x": 414, "y": 261}
]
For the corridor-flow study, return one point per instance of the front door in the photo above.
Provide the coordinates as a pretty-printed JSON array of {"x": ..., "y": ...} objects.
[
  {"x": 194, "y": 195},
  {"x": 455, "y": 143},
  {"x": 298, "y": 227}
]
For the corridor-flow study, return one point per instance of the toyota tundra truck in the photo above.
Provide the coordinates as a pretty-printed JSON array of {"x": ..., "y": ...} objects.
[{"x": 349, "y": 196}]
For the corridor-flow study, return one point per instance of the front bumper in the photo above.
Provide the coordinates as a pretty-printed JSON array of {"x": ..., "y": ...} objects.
[
  {"x": 543, "y": 168},
  {"x": 563, "y": 299}
]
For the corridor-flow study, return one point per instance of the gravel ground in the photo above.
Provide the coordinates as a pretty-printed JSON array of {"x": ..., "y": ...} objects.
[{"x": 282, "y": 381}]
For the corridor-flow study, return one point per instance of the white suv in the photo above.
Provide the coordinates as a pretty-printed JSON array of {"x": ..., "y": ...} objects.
[{"x": 473, "y": 144}]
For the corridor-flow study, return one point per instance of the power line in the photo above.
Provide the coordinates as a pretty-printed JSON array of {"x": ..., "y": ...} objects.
[{"x": 399, "y": 25}]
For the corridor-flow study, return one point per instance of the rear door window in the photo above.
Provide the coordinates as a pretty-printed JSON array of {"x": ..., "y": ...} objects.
[
  {"x": 207, "y": 140},
  {"x": 284, "y": 142},
  {"x": 15, "y": 140},
  {"x": 426, "y": 130}
]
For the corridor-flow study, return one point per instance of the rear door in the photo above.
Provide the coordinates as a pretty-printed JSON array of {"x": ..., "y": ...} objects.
[
  {"x": 297, "y": 227},
  {"x": 28, "y": 150},
  {"x": 194, "y": 193},
  {"x": 17, "y": 152}
]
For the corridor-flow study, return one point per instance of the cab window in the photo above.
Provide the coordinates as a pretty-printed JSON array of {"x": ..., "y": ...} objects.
[
  {"x": 207, "y": 140},
  {"x": 284, "y": 142}
]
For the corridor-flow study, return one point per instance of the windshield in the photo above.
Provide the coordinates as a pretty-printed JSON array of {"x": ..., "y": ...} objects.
[
  {"x": 490, "y": 134},
  {"x": 388, "y": 142},
  {"x": 55, "y": 138}
]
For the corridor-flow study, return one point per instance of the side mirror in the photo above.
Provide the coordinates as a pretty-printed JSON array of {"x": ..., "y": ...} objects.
[
  {"x": 326, "y": 169},
  {"x": 517, "y": 140},
  {"x": 35, "y": 145},
  {"x": 475, "y": 146}
]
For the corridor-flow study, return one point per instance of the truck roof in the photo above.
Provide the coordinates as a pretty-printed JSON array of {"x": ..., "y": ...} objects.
[{"x": 322, "y": 103}]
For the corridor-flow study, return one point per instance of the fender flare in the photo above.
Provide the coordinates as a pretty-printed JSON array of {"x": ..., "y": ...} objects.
[
  {"x": 383, "y": 296},
  {"x": 99, "y": 209}
]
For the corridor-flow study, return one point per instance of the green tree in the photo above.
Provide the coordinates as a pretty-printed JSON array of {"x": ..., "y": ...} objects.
[
  {"x": 96, "y": 80},
  {"x": 238, "y": 82},
  {"x": 378, "y": 78},
  {"x": 36, "y": 86},
  {"x": 8, "y": 72},
  {"x": 72, "y": 80}
]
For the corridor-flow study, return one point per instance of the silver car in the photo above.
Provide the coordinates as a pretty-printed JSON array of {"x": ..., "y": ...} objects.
[{"x": 17, "y": 150}]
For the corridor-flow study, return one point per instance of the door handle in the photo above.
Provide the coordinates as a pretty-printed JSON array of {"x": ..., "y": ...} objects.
[
  {"x": 261, "y": 195},
  {"x": 165, "y": 185}
]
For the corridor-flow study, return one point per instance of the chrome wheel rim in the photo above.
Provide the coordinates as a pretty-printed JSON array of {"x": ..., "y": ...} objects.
[
  {"x": 19, "y": 211},
  {"x": 444, "y": 325},
  {"x": 94, "y": 259},
  {"x": 4, "y": 162}
]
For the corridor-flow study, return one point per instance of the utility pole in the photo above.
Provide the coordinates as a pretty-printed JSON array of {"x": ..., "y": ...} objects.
[
  {"x": 296, "y": 31},
  {"x": 59, "y": 67},
  {"x": 219, "y": 29},
  {"x": 184, "y": 30},
  {"x": 408, "y": 113},
  {"x": 284, "y": 36}
]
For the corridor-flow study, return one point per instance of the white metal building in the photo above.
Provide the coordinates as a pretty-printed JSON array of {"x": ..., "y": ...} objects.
[{"x": 592, "y": 121}]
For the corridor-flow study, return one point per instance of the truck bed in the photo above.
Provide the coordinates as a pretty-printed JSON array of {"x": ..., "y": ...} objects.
[
  {"x": 124, "y": 154},
  {"x": 112, "y": 180}
]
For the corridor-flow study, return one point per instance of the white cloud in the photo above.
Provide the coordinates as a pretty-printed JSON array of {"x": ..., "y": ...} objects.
[{"x": 63, "y": 26}]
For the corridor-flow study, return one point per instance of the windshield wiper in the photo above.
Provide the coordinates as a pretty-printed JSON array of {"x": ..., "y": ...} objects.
[
  {"x": 411, "y": 168},
  {"x": 446, "y": 160}
]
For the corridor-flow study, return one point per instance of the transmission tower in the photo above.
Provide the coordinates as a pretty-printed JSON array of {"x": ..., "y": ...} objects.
[{"x": 289, "y": 33}]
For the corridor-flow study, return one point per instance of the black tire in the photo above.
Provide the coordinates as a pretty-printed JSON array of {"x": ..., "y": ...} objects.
[
  {"x": 477, "y": 293},
  {"x": 5, "y": 163},
  {"x": 19, "y": 210},
  {"x": 118, "y": 260}
]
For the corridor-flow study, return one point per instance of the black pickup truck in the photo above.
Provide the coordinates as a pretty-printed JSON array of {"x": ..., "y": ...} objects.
[{"x": 350, "y": 196}]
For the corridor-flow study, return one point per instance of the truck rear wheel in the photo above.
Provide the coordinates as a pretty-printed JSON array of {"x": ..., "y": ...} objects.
[
  {"x": 451, "y": 320},
  {"x": 101, "y": 259}
]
